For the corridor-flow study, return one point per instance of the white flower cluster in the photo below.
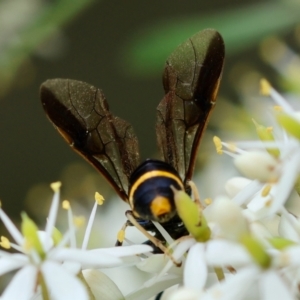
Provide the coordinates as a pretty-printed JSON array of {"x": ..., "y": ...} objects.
[
  {"x": 245, "y": 245},
  {"x": 49, "y": 265}
]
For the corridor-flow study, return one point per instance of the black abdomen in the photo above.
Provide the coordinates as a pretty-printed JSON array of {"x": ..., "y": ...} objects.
[{"x": 150, "y": 195}]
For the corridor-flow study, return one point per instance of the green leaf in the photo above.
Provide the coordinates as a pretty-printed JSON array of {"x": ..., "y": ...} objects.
[
  {"x": 38, "y": 29},
  {"x": 145, "y": 54}
]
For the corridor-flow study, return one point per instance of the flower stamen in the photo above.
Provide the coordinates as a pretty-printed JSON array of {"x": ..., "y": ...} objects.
[
  {"x": 79, "y": 221},
  {"x": 5, "y": 243},
  {"x": 99, "y": 198},
  {"x": 266, "y": 190},
  {"x": 55, "y": 186},
  {"x": 66, "y": 205}
]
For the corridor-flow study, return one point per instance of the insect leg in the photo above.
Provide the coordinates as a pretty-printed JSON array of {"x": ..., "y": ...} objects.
[
  {"x": 156, "y": 242},
  {"x": 121, "y": 234},
  {"x": 195, "y": 193}
]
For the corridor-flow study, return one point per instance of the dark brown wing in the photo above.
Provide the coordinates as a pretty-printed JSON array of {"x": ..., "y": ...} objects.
[
  {"x": 191, "y": 81},
  {"x": 80, "y": 113}
]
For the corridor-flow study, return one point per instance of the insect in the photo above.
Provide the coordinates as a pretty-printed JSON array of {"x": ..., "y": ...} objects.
[{"x": 80, "y": 113}]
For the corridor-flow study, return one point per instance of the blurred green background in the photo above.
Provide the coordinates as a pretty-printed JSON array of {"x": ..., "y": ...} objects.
[{"x": 121, "y": 46}]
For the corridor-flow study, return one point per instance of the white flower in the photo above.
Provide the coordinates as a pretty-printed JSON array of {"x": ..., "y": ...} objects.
[
  {"x": 251, "y": 283},
  {"x": 272, "y": 165},
  {"x": 244, "y": 267},
  {"x": 48, "y": 264},
  {"x": 101, "y": 285},
  {"x": 246, "y": 247},
  {"x": 196, "y": 273},
  {"x": 166, "y": 274},
  {"x": 36, "y": 264}
]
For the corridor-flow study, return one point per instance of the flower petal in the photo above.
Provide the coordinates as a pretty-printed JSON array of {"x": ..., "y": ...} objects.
[
  {"x": 86, "y": 258},
  {"x": 11, "y": 227},
  {"x": 22, "y": 285},
  {"x": 179, "y": 251},
  {"x": 102, "y": 286},
  {"x": 247, "y": 193},
  {"x": 271, "y": 204},
  {"x": 12, "y": 262},
  {"x": 290, "y": 256},
  {"x": 286, "y": 183},
  {"x": 195, "y": 270},
  {"x": 62, "y": 284},
  {"x": 234, "y": 287},
  {"x": 224, "y": 253},
  {"x": 72, "y": 266},
  {"x": 272, "y": 286},
  {"x": 123, "y": 251},
  {"x": 181, "y": 248},
  {"x": 286, "y": 229},
  {"x": 144, "y": 293},
  {"x": 153, "y": 264},
  {"x": 236, "y": 184},
  {"x": 232, "y": 224},
  {"x": 182, "y": 293},
  {"x": 258, "y": 165}
]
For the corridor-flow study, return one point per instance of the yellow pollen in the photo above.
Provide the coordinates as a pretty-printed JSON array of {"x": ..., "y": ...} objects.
[
  {"x": 208, "y": 201},
  {"x": 270, "y": 129},
  {"x": 265, "y": 87},
  {"x": 231, "y": 147},
  {"x": 5, "y": 243},
  {"x": 268, "y": 203},
  {"x": 121, "y": 236},
  {"x": 66, "y": 205},
  {"x": 218, "y": 144},
  {"x": 79, "y": 221},
  {"x": 160, "y": 205},
  {"x": 55, "y": 186},
  {"x": 278, "y": 108},
  {"x": 99, "y": 198},
  {"x": 266, "y": 190}
]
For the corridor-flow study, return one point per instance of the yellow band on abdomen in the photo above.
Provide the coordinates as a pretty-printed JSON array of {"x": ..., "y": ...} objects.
[{"x": 148, "y": 175}]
